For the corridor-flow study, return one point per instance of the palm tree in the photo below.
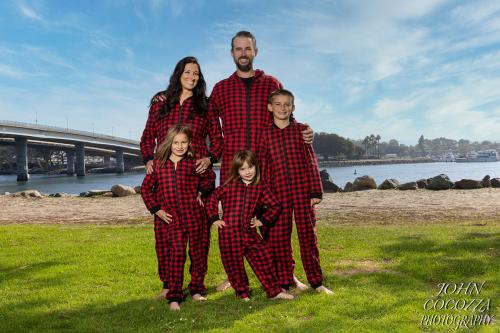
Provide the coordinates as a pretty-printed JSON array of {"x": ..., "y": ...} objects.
[
  {"x": 365, "y": 142},
  {"x": 377, "y": 138},
  {"x": 372, "y": 144}
]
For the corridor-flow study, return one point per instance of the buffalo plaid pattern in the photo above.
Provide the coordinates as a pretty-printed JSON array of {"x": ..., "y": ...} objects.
[
  {"x": 174, "y": 189},
  {"x": 202, "y": 126},
  {"x": 243, "y": 113},
  {"x": 237, "y": 240},
  {"x": 291, "y": 170}
]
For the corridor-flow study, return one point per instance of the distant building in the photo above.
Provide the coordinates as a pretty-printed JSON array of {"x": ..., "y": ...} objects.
[{"x": 390, "y": 155}]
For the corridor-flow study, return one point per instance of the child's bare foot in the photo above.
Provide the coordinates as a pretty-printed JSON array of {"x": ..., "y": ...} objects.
[
  {"x": 199, "y": 298},
  {"x": 324, "y": 290},
  {"x": 223, "y": 286},
  {"x": 163, "y": 294},
  {"x": 174, "y": 306},
  {"x": 246, "y": 299},
  {"x": 299, "y": 285},
  {"x": 283, "y": 295}
]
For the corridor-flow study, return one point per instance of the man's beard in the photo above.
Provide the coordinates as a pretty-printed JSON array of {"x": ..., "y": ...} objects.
[{"x": 244, "y": 68}]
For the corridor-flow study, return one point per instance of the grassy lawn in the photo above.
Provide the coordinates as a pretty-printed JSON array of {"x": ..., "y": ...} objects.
[{"x": 87, "y": 278}]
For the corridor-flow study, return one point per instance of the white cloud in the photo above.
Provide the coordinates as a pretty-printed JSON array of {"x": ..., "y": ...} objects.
[
  {"x": 30, "y": 13},
  {"x": 386, "y": 107}
]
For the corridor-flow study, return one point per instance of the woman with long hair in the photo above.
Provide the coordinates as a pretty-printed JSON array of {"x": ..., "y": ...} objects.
[{"x": 184, "y": 101}]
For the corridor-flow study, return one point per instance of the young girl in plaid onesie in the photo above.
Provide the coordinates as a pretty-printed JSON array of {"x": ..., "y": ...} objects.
[
  {"x": 242, "y": 197},
  {"x": 184, "y": 101},
  {"x": 291, "y": 170},
  {"x": 173, "y": 193}
]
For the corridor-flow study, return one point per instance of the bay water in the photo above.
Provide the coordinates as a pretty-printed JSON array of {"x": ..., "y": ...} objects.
[{"x": 340, "y": 175}]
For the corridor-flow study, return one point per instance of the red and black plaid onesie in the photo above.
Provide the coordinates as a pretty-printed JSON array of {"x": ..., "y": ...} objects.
[
  {"x": 240, "y": 203},
  {"x": 243, "y": 112},
  {"x": 291, "y": 170},
  {"x": 175, "y": 190},
  {"x": 201, "y": 125}
]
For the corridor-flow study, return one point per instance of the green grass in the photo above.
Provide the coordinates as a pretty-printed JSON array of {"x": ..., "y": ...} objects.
[{"x": 103, "y": 278}]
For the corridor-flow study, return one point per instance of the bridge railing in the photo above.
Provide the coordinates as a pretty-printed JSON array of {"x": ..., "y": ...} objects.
[{"x": 65, "y": 130}]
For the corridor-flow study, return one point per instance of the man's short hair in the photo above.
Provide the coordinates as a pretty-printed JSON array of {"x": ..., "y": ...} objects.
[
  {"x": 282, "y": 92},
  {"x": 246, "y": 34}
]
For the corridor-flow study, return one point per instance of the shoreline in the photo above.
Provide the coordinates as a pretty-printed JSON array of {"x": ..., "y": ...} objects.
[
  {"x": 216, "y": 166},
  {"x": 347, "y": 163},
  {"x": 372, "y": 207}
]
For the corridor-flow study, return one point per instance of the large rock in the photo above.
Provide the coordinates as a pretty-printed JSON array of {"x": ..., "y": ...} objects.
[
  {"x": 137, "y": 189},
  {"x": 122, "y": 190},
  {"x": 495, "y": 182},
  {"x": 328, "y": 185},
  {"x": 486, "y": 182},
  {"x": 60, "y": 195},
  {"x": 364, "y": 183},
  {"x": 28, "y": 194},
  {"x": 408, "y": 186},
  {"x": 93, "y": 193},
  {"x": 422, "y": 183},
  {"x": 389, "y": 184},
  {"x": 348, "y": 187},
  {"x": 440, "y": 182},
  {"x": 468, "y": 184}
]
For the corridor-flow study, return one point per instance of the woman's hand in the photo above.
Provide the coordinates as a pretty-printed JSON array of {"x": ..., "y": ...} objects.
[
  {"x": 149, "y": 167},
  {"x": 166, "y": 217},
  {"x": 202, "y": 164}
]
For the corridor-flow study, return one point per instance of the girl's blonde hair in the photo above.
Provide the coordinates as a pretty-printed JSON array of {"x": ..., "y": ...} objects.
[
  {"x": 238, "y": 160},
  {"x": 165, "y": 149}
]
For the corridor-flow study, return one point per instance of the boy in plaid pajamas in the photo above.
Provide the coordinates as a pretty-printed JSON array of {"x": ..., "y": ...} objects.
[
  {"x": 290, "y": 168},
  {"x": 242, "y": 196},
  {"x": 173, "y": 193}
]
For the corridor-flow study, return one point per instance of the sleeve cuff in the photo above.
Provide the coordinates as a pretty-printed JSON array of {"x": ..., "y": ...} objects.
[
  {"x": 213, "y": 218},
  {"x": 212, "y": 157},
  {"x": 265, "y": 222},
  {"x": 317, "y": 196},
  {"x": 146, "y": 159},
  {"x": 155, "y": 209}
]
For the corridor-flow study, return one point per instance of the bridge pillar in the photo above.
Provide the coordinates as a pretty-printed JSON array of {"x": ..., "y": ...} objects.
[
  {"x": 120, "y": 164},
  {"x": 22, "y": 159},
  {"x": 106, "y": 160},
  {"x": 70, "y": 162},
  {"x": 80, "y": 159}
]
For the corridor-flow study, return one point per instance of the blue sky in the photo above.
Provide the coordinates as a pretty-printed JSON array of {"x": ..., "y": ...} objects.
[{"x": 395, "y": 68}]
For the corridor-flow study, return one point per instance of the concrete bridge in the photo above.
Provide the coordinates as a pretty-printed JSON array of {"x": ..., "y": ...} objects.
[{"x": 73, "y": 142}]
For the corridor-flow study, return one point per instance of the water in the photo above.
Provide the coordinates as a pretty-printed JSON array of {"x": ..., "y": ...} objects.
[{"x": 402, "y": 172}]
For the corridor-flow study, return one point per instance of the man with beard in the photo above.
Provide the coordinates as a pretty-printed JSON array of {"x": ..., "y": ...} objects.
[{"x": 240, "y": 101}]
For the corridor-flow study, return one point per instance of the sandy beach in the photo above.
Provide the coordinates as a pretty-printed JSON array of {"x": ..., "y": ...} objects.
[{"x": 367, "y": 207}]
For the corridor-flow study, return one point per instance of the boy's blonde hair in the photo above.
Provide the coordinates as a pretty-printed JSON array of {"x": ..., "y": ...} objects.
[
  {"x": 282, "y": 92},
  {"x": 238, "y": 160},
  {"x": 165, "y": 149}
]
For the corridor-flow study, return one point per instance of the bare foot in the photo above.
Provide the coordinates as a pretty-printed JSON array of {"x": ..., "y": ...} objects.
[
  {"x": 299, "y": 285},
  {"x": 324, "y": 290},
  {"x": 246, "y": 299},
  {"x": 223, "y": 286},
  {"x": 174, "y": 306},
  {"x": 163, "y": 294},
  {"x": 283, "y": 295},
  {"x": 199, "y": 298}
]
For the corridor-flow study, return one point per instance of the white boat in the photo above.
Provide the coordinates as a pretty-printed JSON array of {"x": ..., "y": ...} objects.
[{"x": 489, "y": 155}]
